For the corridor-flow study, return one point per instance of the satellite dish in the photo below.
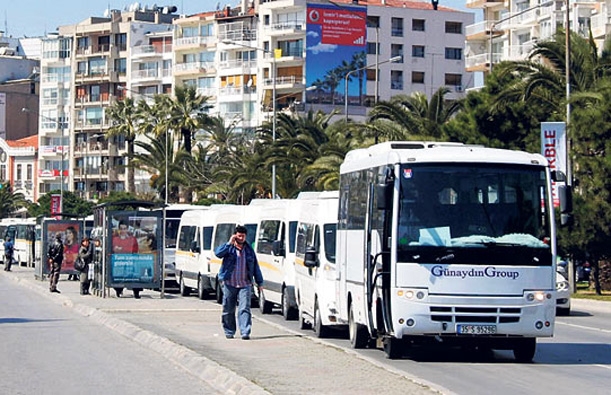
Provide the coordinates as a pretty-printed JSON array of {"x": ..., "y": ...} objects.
[
  {"x": 249, "y": 83},
  {"x": 106, "y": 13}
]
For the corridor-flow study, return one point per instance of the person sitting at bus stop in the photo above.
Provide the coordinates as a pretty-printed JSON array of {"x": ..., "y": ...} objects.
[
  {"x": 236, "y": 274},
  {"x": 85, "y": 254},
  {"x": 9, "y": 250}
]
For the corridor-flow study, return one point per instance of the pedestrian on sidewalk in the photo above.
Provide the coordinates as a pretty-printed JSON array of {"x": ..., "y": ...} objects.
[
  {"x": 9, "y": 250},
  {"x": 236, "y": 275},
  {"x": 85, "y": 255},
  {"x": 55, "y": 257}
]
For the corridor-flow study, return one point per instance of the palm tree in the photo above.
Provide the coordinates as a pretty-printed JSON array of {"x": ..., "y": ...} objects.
[
  {"x": 125, "y": 120},
  {"x": 187, "y": 114},
  {"x": 10, "y": 201},
  {"x": 415, "y": 115}
]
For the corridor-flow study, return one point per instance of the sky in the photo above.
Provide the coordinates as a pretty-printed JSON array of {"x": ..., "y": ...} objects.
[{"x": 34, "y": 18}]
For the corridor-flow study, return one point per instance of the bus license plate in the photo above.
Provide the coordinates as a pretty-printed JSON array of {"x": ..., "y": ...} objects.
[{"x": 476, "y": 329}]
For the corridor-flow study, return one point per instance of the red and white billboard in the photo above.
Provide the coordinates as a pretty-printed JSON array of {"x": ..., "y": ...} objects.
[{"x": 553, "y": 148}]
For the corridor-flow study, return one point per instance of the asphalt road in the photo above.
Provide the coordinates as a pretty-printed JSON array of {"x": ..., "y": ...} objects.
[
  {"x": 282, "y": 359},
  {"x": 49, "y": 349}
]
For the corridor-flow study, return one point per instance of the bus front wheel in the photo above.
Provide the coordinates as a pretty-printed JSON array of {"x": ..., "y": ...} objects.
[
  {"x": 358, "y": 332},
  {"x": 524, "y": 350}
]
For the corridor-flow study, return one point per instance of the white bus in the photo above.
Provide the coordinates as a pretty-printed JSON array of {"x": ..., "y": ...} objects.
[
  {"x": 275, "y": 249},
  {"x": 316, "y": 283},
  {"x": 225, "y": 221},
  {"x": 23, "y": 233},
  {"x": 446, "y": 242}
]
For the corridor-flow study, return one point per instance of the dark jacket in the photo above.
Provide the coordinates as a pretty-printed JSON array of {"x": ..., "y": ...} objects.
[
  {"x": 56, "y": 251},
  {"x": 86, "y": 254},
  {"x": 9, "y": 248},
  {"x": 228, "y": 253}
]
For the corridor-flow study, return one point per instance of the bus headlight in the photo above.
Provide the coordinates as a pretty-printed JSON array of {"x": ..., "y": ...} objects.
[
  {"x": 537, "y": 296},
  {"x": 412, "y": 294}
]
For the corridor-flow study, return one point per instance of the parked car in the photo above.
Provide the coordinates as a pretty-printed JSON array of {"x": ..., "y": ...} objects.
[
  {"x": 582, "y": 271},
  {"x": 563, "y": 295}
]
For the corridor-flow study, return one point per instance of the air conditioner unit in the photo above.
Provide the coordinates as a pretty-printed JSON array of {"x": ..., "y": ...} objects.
[{"x": 458, "y": 88}]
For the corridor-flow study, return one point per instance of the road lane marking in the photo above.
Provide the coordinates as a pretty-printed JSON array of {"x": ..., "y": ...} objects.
[{"x": 584, "y": 327}]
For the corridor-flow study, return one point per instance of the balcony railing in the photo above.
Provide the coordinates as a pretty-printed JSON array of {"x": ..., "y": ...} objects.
[
  {"x": 151, "y": 49},
  {"x": 197, "y": 40}
]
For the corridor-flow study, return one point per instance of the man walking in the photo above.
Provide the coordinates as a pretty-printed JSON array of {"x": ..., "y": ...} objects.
[
  {"x": 9, "y": 249},
  {"x": 55, "y": 256},
  {"x": 239, "y": 267}
]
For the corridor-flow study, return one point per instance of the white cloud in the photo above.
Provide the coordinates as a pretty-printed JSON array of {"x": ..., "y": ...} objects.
[{"x": 321, "y": 48}]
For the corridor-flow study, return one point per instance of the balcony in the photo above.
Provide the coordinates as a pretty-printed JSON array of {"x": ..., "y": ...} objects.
[
  {"x": 194, "y": 42},
  {"x": 145, "y": 51},
  {"x": 481, "y": 31},
  {"x": 481, "y": 62},
  {"x": 194, "y": 68},
  {"x": 286, "y": 82},
  {"x": 150, "y": 74},
  {"x": 286, "y": 29},
  {"x": 483, "y": 3}
]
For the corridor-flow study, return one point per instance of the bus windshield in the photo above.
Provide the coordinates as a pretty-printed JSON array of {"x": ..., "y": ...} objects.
[{"x": 473, "y": 213}]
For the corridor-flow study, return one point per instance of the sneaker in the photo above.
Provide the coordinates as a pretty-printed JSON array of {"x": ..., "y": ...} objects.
[
  {"x": 246, "y": 337},
  {"x": 229, "y": 336},
  {"x": 56, "y": 291}
]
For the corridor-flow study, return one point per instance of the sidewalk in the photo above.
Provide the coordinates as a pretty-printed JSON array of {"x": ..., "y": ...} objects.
[{"x": 187, "y": 331}]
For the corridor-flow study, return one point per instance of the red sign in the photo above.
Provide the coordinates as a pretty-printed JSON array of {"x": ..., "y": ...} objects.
[
  {"x": 56, "y": 205},
  {"x": 339, "y": 26}
]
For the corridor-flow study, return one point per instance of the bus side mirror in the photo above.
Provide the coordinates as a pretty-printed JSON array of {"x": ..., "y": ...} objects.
[
  {"x": 278, "y": 248},
  {"x": 558, "y": 176},
  {"x": 384, "y": 193},
  {"x": 310, "y": 257},
  {"x": 565, "y": 196}
]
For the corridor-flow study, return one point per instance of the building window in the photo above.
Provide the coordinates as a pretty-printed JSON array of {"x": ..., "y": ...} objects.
[
  {"x": 453, "y": 79},
  {"x": 417, "y": 51},
  {"x": 453, "y": 27},
  {"x": 371, "y": 48},
  {"x": 417, "y": 77},
  {"x": 121, "y": 66},
  {"x": 418, "y": 25},
  {"x": 396, "y": 79},
  {"x": 454, "y": 53},
  {"x": 397, "y": 27},
  {"x": 397, "y": 50},
  {"x": 19, "y": 175},
  {"x": 266, "y": 20},
  {"x": 373, "y": 21},
  {"x": 28, "y": 173},
  {"x": 121, "y": 41}
]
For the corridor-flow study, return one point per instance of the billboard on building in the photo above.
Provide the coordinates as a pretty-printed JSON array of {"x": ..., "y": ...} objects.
[
  {"x": 336, "y": 39},
  {"x": 553, "y": 148}
]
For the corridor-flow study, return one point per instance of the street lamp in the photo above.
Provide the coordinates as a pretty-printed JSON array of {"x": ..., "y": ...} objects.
[
  {"x": 61, "y": 167},
  {"x": 273, "y": 76},
  {"x": 347, "y": 76}
]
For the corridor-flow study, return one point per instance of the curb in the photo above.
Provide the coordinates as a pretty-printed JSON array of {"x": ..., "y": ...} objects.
[{"x": 224, "y": 380}]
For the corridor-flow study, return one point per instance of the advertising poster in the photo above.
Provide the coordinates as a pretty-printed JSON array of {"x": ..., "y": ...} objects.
[
  {"x": 553, "y": 148},
  {"x": 71, "y": 234},
  {"x": 336, "y": 42},
  {"x": 135, "y": 258},
  {"x": 56, "y": 204}
]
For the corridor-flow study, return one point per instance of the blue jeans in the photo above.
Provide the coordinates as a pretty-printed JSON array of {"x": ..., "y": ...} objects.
[{"x": 239, "y": 297}]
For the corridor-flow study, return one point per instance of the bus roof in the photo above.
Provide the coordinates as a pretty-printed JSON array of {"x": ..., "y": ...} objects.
[{"x": 393, "y": 152}]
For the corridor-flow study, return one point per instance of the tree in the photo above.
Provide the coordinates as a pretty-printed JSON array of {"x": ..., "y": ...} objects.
[
  {"x": 415, "y": 115},
  {"x": 73, "y": 205},
  {"x": 187, "y": 114},
  {"x": 125, "y": 119},
  {"x": 10, "y": 201}
]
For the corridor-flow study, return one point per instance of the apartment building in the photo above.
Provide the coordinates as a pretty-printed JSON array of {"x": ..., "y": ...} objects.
[
  {"x": 510, "y": 29},
  {"x": 83, "y": 70},
  {"x": 249, "y": 61}
]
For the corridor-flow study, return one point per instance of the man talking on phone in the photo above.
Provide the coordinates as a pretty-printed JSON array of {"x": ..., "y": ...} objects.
[{"x": 239, "y": 268}]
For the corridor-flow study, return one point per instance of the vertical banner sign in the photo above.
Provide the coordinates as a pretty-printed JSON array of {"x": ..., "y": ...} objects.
[
  {"x": 2, "y": 115},
  {"x": 56, "y": 203},
  {"x": 335, "y": 37},
  {"x": 553, "y": 148}
]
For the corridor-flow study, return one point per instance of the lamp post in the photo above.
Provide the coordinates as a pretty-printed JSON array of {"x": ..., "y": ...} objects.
[
  {"x": 61, "y": 166},
  {"x": 274, "y": 115},
  {"x": 347, "y": 76}
]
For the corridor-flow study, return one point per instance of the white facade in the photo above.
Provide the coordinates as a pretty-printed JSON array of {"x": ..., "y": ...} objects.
[{"x": 509, "y": 30}]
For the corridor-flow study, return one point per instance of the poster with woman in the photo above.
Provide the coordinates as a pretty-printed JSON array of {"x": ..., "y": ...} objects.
[{"x": 70, "y": 232}]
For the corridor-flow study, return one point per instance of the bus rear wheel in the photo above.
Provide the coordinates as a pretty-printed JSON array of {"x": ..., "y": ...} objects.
[
  {"x": 357, "y": 332},
  {"x": 184, "y": 290}
]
